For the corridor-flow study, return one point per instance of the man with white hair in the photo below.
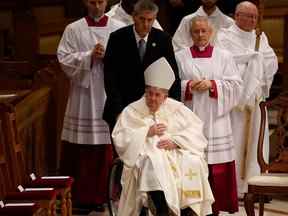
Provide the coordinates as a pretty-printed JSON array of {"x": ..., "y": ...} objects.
[
  {"x": 182, "y": 37},
  {"x": 123, "y": 12},
  {"x": 257, "y": 64},
  {"x": 161, "y": 144}
]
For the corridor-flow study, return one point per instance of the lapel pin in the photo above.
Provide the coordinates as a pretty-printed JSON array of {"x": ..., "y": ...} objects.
[{"x": 153, "y": 44}]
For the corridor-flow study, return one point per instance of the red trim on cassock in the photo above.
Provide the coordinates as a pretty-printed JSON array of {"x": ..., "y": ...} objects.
[
  {"x": 222, "y": 178},
  {"x": 213, "y": 91},
  {"x": 188, "y": 94},
  {"x": 206, "y": 53},
  {"x": 100, "y": 23}
]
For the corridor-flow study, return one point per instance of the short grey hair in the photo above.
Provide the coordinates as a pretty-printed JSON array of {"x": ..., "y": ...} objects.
[
  {"x": 143, "y": 5},
  {"x": 201, "y": 18}
]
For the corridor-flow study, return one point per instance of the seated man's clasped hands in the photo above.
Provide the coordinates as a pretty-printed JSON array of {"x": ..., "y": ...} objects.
[{"x": 158, "y": 129}]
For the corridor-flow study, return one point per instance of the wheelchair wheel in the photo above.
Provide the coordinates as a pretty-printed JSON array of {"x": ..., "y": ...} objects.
[{"x": 114, "y": 186}]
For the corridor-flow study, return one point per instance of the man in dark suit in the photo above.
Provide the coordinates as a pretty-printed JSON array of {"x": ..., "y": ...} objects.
[{"x": 123, "y": 65}]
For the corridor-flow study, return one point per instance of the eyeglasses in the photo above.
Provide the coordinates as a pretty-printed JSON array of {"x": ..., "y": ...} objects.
[{"x": 247, "y": 15}]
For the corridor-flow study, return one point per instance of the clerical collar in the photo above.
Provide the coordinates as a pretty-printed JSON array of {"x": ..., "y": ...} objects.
[
  {"x": 101, "y": 22},
  {"x": 203, "y": 52}
]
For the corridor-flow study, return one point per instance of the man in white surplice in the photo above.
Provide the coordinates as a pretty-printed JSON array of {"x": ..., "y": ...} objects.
[
  {"x": 257, "y": 69},
  {"x": 123, "y": 12},
  {"x": 182, "y": 37},
  {"x": 80, "y": 54},
  {"x": 162, "y": 146},
  {"x": 211, "y": 88}
]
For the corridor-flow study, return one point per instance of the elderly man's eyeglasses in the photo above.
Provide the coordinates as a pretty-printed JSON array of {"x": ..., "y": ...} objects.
[{"x": 247, "y": 15}]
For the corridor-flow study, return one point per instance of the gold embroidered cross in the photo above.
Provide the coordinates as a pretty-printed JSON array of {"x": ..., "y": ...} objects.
[
  {"x": 191, "y": 174},
  {"x": 173, "y": 168}
]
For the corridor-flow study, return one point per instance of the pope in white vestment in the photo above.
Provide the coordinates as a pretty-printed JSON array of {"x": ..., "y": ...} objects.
[
  {"x": 211, "y": 88},
  {"x": 87, "y": 144},
  {"x": 182, "y": 37},
  {"x": 117, "y": 12},
  {"x": 179, "y": 170},
  {"x": 257, "y": 68}
]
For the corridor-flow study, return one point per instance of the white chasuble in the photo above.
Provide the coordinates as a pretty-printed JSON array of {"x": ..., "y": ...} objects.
[
  {"x": 83, "y": 123},
  {"x": 257, "y": 69},
  {"x": 214, "y": 112},
  {"x": 181, "y": 173}
]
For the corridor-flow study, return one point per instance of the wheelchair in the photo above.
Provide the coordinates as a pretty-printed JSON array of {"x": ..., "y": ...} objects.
[{"x": 115, "y": 188}]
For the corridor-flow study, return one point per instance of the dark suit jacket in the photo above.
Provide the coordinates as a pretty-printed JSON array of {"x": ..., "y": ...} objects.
[{"x": 124, "y": 71}]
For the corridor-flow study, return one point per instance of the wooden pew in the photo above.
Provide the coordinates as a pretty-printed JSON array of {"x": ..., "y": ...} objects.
[
  {"x": 8, "y": 179},
  {"x": 26, "y": 139},
  {"x": 51, "y": 75},
  {"x": 23, "y": 209},
  {"x": 25, "y": 122},
  {"x": 5, "y": 175},
  {"x": 34, "y": 125}
]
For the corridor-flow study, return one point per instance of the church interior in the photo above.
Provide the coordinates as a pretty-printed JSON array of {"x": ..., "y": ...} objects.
[{"x": 34, "y": 92}]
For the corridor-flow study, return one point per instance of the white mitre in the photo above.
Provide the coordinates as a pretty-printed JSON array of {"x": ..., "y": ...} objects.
[{"x": 159, "y": 74}]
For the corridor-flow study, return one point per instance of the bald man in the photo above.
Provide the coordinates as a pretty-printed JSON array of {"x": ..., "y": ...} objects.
[{"x": 257, "y": 66}]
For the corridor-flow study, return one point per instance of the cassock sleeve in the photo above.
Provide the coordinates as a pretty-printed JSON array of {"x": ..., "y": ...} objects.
[
  {"x": 229, "y": 88},
  {"x": 75, "y": 63}
]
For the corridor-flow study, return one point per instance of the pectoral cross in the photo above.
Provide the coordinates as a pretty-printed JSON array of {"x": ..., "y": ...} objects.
[{"x": 154, "y": 118}]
